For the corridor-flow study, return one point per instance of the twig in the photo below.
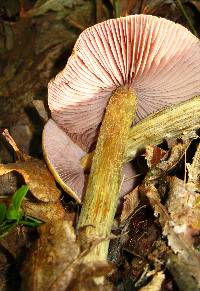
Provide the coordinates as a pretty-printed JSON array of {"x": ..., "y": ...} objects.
[
  {"x": 13, "y": 144},
  {"x": 76, "y": 24}
]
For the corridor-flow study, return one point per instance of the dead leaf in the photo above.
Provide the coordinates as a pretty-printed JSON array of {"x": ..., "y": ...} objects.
[
  {"x": 36, "y": 175},
  {"x": 153, "y": 155},
  {"x": 184, "y": 212},
  {"x": 177, "y": 151},
  {"x": 46, "y": 212},
  {"x": 139, "y": 233},
  {"x": 181, "y": 230},
  {"x": 131, "y": 201},
  {"x": 50, "y": 266},
  {"x": 178, "y": 226},
  {"x": 55, "y": 263},
  {"x": 16, "y": 240},
  {"x": 153, "y": 196}
]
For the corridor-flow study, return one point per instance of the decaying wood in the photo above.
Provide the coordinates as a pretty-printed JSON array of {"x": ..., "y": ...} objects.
[{"x": 170, "y": 123}]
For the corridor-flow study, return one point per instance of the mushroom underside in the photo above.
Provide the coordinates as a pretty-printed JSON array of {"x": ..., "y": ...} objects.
[{"x": 63, "y": 158}]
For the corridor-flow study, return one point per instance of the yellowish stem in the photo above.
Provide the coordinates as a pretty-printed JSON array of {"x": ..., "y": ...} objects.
[{"x": 101, "y": 196}]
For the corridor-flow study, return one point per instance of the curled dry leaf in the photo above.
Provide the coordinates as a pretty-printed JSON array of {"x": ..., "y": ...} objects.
[
  {"x": 37, "y": 177},
  {"x": 177, "y": 151},
  {"x": 131, "y": 201},
  {"x": 180, "y": 225},
  {"x": 35, "y": 173},
  {"x": 153, "y": 196},
  {"x": 139, "y": 233},
  {"x": 153, "y": 155}
]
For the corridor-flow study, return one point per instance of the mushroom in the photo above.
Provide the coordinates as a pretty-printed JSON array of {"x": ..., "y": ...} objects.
[
  {"x": 63, "y": 157},
  {"x": 120, "y": 71}
]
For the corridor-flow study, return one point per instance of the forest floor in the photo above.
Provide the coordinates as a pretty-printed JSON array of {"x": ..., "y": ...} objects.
[{"x": 40, "y": 248}]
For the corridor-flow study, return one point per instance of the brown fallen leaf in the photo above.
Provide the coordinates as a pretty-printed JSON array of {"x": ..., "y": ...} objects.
[
  {"x": 141, "y": 233},
  {"x": 153, "y": 155},
  {"x": 46, "y": 212},
  {"x": 55, "y": 263},
  {"x": 35, "y": 173},
  {"x": 180, "y": 223},
  {"x": 177, "y": 151},
  {"x": 184, "y": 211},
  {"x": 131, "y": 201},
  {"x": 37, "y": 177},
  {"x": 151, "y": 192},
  {"x": 49, "y": 265},
  {"x": 16, "y": 240}
]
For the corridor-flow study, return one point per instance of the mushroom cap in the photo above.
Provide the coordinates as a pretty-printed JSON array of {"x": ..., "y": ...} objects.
[
  {"x": 159, "y": 59},
  {"x": 63, "y": 158}
]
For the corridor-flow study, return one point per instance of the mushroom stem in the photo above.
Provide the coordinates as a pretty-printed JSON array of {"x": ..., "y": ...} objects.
[{"x": 103, "y": 188}]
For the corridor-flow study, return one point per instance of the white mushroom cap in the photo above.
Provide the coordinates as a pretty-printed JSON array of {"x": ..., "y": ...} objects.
[{"x": 159, "y": 59}]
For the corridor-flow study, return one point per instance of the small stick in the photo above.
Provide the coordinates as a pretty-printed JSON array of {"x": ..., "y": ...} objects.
[{"x": 13, "y": 144}]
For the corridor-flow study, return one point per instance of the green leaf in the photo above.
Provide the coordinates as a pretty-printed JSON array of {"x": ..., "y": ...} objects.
[
  {"x": 13, "y": 214},
  {"x": 6, "y": 227},
  {"x": 2, "y": 212},
  {"x": 30, "y": 222},
  {"x": 18, "y": 197}
]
